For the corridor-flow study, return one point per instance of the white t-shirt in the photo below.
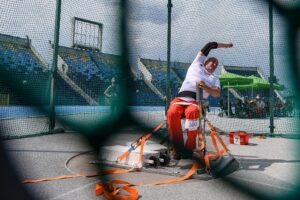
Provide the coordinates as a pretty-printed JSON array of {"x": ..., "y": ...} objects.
[{"x": 196, "y": 73}]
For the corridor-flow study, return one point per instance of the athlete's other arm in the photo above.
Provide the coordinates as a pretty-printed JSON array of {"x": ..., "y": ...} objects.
[
  {"x": 107, "y": 92},
  {"x": 214, "y": 45},
  {"x": 213, "y": 91}
]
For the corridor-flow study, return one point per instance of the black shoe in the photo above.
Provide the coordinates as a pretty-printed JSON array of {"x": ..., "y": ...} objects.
[
  {"x": 187, "y": 155},
  {"x": 198, "y": 156},
  {"x": 201, "y": 170},
  {"x": 177, "y": 156}
]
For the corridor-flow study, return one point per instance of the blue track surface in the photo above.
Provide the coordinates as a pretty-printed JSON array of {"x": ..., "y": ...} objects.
[{"x": 17, "y": 112}]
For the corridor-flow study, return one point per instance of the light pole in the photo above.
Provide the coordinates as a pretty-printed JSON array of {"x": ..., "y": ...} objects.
[
  {"x": 53, "y": 70},
  {"x": 272, "y": 77},
  {"x": 168, "y": 90}
]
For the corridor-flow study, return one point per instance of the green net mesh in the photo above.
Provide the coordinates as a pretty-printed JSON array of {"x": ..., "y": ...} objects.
[
  {"x": 246, "y": 25},
  {"x": 89, "y": 59},
  {"x": 90, "y": 88}
]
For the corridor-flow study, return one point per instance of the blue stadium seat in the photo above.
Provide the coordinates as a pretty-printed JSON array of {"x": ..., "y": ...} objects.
[{"x": 26, "y": 78}]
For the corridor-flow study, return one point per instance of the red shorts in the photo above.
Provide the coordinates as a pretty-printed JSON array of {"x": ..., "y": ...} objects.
[{"x": 178, "y": 110}]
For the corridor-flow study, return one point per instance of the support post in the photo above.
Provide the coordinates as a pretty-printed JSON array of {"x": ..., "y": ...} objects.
[
  {"x": 271, "y": 78},
  {"x": 53, "y": 70},
  {"x": 168, "y": 88}
]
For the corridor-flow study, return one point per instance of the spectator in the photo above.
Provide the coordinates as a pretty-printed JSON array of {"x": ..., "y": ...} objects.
[
  {"x": 260, "y": 107},
  {"x": 112, "y": 95}
]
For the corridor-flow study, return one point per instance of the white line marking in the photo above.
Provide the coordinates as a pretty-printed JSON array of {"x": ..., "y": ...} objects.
[{"x": 75, "y": 190}]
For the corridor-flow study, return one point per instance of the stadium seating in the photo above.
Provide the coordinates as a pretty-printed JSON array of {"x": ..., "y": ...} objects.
[
  {"x": 142, "y": 95},
  {"x": 108, "y": 64},
  {"x": 83, "y": 71},
  {"x": 22, "y": 73},
  {"x": 90, "y": 70},
  {"x": 65, "y": 95},
  {"x": 25, "y": 78},
  {"x": 158, "y": 70},
  {"x": 181, "y": 69}
]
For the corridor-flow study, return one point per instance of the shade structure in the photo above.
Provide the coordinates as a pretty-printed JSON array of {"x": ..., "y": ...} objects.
[
  {"x": 234, "y": 79},
  {"x": 230, "y": 79},
  {"x": 257, "y": 83}
]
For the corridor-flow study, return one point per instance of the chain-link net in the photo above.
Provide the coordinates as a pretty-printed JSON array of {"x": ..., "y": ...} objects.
[
  {"x": 89, "y": 86},
  {"x": 88, "y": 60},
  {"x": 24, "y": 71},
  {"x": 193, "y": 24}
]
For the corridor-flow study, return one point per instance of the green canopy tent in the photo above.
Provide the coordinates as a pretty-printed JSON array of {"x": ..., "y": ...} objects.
[
  {"x": 233, "y": 79},
  {"x": 230, "y": 80},
  {"x": 258, "y": 83}
]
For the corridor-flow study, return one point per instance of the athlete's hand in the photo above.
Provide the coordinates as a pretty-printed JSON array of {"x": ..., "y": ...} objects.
[
  {"x": 225, "y": 45},
  {"x": 202, "y": 85},
  {"x": 228, "y": 45}
]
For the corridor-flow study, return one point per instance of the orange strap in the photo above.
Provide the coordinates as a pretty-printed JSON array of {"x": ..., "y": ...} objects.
[
  {"x": 201, "y": 139},
  {"x": 137, "y": 142},
  {"x": 104, "y": 172},
  {"x": 140, "y": 141},
  {"x": 52, "y": 179},
  {"x": 213, "y": 156},
  {"x": 110, "y": 191},
  {"x": 185, "y": 177}
]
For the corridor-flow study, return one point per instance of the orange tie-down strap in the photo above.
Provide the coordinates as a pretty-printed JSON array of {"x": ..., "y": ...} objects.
[
  {"x": 104, "y": 172},
  {"x": 112, "y": 192},
  {"x": 139, "y": 141},
  {"x": 216, "y": 155}
]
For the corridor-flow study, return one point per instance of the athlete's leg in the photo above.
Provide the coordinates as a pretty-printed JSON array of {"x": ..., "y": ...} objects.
[
  {"x": 191, "y": 124},
  {"x": 174, "y": 124}
]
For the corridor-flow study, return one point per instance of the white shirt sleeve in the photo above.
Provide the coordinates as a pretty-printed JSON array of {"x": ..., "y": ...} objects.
[
  {"x": 217, "y": 83},
  {"x": 199, "y": 59}
]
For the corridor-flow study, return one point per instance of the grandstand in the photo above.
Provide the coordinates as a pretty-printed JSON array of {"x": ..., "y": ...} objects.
[
  {"x": 85, "y": 74},
  {"x": 82, "y": 76},
  {"x": 82, "y": 70},
  {"x": 23, "y": 75},
  {"x": 158, "y": 70},
  {"x": 142, "y": 95},
  {"x": 92, "y": 71},
  {"x": 26, "y": 77}
]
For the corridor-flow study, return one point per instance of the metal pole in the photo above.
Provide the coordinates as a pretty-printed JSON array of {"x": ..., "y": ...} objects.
[
  {"x": 54, "y": 67},
  {"x": 272, "y": 77},
  {"x": 168, "y": 90},
  {"x": 199, "y": 99},
  {"x": 228, "y": 99}
]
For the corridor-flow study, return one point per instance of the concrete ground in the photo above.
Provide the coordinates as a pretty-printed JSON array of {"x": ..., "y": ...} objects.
[{"x": 269, "y": 168}]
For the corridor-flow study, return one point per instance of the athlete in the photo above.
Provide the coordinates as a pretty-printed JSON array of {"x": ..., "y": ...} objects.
[{"x": 199, "y": 74}]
